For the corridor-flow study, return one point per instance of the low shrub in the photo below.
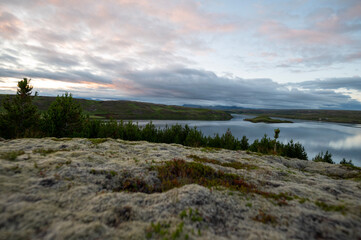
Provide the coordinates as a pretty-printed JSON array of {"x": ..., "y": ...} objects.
[{"x": 320, "y": 157}]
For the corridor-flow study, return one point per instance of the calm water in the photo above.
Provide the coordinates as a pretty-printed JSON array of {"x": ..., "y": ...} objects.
[{"x": 342, "y": 140}]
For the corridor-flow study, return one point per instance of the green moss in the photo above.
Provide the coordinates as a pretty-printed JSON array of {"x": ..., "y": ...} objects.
[
  {"x": 210, "y": 149},
  {"x": 44, "y": 152},
  {"x": 61, "y": 139},
  {"x": 331, "y": 208},
  {"x": 96, "y": 141},
  {"x": 235, "y": 165},
  {"x": 12, "y": 155},
  {"x": 191, "y": 214},
  {"x": 162, "y": 230},
  {"x": 103, "y": 172}
]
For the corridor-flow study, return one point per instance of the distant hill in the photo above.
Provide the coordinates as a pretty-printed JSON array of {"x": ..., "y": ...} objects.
[
  {"x": 339, "y": 116},
  {"x": 136, "y": 110},
  {"x": 216, "y": 107}
]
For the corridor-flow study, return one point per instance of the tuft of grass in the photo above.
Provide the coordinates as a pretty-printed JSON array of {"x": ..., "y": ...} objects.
[
  {"x": 210, "y": 149},
  {"x": 191, "y": 214},
  {"x": 235, "y": 165},
  {"x": 44, "y": 152},
  {"x": 249, "y": 205},
  {"x": 61, "y": 139},
  {"x": 265, "y": 218},
  {"x": 331, "y": 208},
  {"x": 177, "y": 173},
  {"x": 161, "y": 230},
  {"x": 96, "y": 141},
  {"x": 12, "y": 155}
]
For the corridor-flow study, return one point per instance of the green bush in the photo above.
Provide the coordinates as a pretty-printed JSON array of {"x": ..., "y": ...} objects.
[
  {"x": 345, "y": 162},
  {"x": 327, "y": 157},
  {"x": 293, "y": 150}
]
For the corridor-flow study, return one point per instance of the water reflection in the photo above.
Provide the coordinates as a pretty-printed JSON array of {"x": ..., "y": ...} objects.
[
  {"x": 352, "y": 142},
  {"x": 342, "y": 140}
]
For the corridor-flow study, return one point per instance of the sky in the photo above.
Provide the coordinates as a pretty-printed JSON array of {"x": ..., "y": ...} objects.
[{"x": 254, "y": 54}]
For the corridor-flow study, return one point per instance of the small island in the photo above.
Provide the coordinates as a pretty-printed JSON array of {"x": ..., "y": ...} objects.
[{"x": 266, "y": 119}]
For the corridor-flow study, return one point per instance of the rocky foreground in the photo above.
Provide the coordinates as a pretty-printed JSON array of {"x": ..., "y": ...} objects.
[{"x": 114, "y": 189}]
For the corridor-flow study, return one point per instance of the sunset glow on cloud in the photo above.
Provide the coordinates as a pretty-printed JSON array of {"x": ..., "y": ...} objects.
[{"x": 262, "y": 54}]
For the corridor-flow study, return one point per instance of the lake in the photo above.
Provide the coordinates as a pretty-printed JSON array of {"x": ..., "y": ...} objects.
[{"x": 342, "y": 140}]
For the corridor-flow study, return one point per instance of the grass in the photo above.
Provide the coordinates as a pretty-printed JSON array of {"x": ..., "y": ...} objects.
[
  {"x": 177, "y": 173},
  {"x": 161, "y": 230},
  {"x": 96, "y": 141},
  {"x": 331, "y": 208},
  {"x": 191, "y": 214},
  {"x": 44, "y": 152},
  {"x": 103, "y": 172},
  {"x": 12, "y": 155},
  {"x": 266, "y": 119},
  {"x": 61, "y": 139},
  {"x": 235, "y": 165}
]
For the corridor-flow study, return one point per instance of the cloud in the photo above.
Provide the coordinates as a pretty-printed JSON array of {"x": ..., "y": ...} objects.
[
  {"x": 334, "y": 83},
  {"x": 9, "y": 25},
  {"x": 154, "y": 50},
  {"x": 74, "y": 76},
  {"x": 193, "y": 85},
  {"x": 318, "y": 36}
]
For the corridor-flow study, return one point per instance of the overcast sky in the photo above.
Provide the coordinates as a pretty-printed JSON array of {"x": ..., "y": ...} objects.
[{"x": 258, "y": 54}]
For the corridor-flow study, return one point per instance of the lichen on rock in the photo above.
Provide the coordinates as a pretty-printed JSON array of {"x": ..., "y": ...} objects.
[{"x": 112, "y": 189}]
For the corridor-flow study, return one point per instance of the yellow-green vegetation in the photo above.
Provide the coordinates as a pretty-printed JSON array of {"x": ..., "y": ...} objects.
[
  {"x": 162, "y": 230},
  {"x": 11, "y": 155},
  {"x": 44, "y": 152},
  {"x": 103, "y": 172},
  {"x": 191, "y": 214},
  {"x": 331, "y": 208},
  {"x": 266, "y": 119},
  {"x": 61, "y": 139},
  {"x": 96, "y": 141},
  {"x": 235, "y": 165}
]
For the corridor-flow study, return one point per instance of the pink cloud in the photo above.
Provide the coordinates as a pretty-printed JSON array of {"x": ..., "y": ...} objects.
[
  {"x": 278, "y": 31},
  {"x": 9, "y": 25}
]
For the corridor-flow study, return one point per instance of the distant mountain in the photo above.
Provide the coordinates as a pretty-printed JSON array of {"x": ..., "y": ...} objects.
[{"x": 216, "y": 107}]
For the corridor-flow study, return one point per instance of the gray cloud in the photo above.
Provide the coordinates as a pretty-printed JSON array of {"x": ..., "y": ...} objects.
[
  {"x": 66, "y": 76},
  {"x": 192, "y": 85},
  {"x": 333, "y": 83}
]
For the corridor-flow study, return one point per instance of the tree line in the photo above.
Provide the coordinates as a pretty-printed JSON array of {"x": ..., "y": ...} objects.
[{"x": 65, "y": 118}]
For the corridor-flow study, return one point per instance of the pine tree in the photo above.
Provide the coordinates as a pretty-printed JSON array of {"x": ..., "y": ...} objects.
[
  {"x": 21, "y": 116},
  {"x": 64, "y": 117}
]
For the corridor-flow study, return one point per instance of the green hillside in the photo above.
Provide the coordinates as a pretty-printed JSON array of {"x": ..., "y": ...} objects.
[{"x": 136, "y": 110}]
